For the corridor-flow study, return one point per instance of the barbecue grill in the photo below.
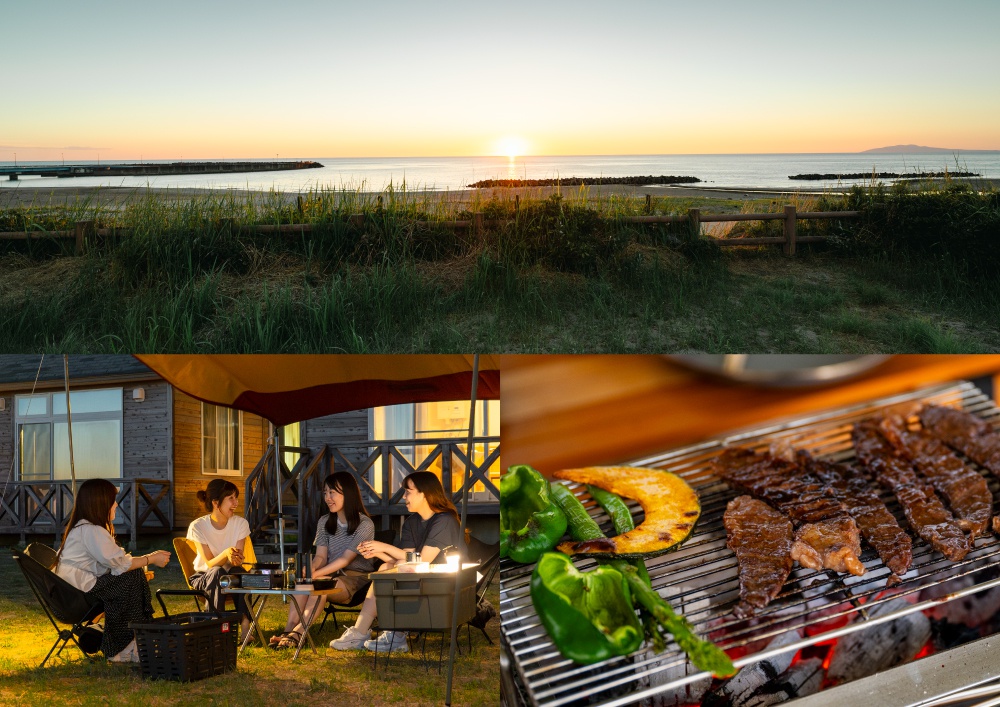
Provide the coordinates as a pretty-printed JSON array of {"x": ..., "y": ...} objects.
[{"x": 700, "y": 580}]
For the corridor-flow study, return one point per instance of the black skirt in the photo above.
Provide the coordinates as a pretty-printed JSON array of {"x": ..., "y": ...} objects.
[{"x": 126, "y": 599}]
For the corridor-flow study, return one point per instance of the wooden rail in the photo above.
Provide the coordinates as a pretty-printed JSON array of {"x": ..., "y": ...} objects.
[
  {"x": 83, "y": 230},
  {"x": 45, "y": 506},
  {"x": 301, "y": 486}
]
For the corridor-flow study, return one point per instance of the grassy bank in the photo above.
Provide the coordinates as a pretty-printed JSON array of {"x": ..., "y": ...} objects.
[
  {"x": 262, "y": 677},
  {"x": 559, "y": 273}
]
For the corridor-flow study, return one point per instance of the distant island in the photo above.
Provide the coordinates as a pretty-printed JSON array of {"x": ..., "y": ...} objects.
[
  {"x": 917, "y": 150},
  {"x": 581, "y": 181},
  {"x": 885, "y": 175}
]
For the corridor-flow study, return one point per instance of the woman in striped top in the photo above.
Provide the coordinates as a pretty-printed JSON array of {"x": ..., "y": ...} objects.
[{"x": 338, "y": 535}]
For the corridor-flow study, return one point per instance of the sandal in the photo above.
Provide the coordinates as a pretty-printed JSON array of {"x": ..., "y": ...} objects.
[
  {"x": 275, "y": 640},
  {"x": 290, "y": 640}
]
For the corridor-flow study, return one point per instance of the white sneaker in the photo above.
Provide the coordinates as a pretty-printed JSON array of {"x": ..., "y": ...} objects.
[
  {"x": 351, "y": 640},
  {"x": 389, "y": 642},
  {"x": 128, "y": 654}
]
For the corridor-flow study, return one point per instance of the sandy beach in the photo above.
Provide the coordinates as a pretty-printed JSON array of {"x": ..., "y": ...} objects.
[
  {"x": 13, "y": 197},
  {"x": 117, "y": 196}
]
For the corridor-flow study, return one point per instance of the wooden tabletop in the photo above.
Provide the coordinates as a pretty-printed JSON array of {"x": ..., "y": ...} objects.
[{"x": 566, "y": 411}]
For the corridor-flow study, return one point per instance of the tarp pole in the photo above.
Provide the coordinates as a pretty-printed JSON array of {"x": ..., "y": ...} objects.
[
  {"x": 277, "y": 482},
  {"x": 465, "y": 505},
  {"x": 69, "y": 423}
]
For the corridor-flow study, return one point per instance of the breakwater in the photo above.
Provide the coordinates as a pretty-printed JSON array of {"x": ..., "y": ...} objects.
[{"x": 581, "y": 181}]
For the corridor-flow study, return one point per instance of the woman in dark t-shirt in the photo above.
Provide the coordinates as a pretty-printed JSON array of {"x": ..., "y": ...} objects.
[{"x": 431, "y": 528}]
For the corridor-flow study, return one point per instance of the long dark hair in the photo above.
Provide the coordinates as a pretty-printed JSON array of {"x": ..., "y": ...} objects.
[
  {"x": 344, "y": 482},
  {"x": 93, "y": 503},
  {"x": 430, "y": 486},
  {"x": 217, "y": 490}
]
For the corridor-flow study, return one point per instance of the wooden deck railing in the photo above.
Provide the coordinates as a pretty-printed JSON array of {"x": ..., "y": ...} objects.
[
  {"x": 83, "y": 230},
  {"x": 45, "y": 506},
  {"x": 302, "y": 485}
]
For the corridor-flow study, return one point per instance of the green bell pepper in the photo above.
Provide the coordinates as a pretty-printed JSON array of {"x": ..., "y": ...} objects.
[
  {"x": 588, "y": 615},
  {"x": 704, "y": 654},
  {"x": 530, "y": 522}
]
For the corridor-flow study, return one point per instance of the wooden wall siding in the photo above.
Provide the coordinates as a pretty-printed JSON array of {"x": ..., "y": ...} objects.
[
  {"x": 146, "y": 435},
  {"x": 7, "y": 438},
  {"x": 338, "y": 429},
  {"x": 188, "y": 478}
]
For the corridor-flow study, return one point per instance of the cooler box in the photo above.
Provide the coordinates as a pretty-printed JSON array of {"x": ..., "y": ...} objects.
[
  {"x": 188, "y": 646},
  {"x": 423, "y": 600}
]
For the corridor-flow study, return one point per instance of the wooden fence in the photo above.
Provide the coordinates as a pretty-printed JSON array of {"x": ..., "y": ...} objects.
[
  {"x": 386, "y": 460},
  {"x": 82, "y": 230},
  {"x": 45, "y": 506}
]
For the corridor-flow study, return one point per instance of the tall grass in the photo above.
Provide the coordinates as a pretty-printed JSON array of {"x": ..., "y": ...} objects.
[{"x": 563, "y": 271}]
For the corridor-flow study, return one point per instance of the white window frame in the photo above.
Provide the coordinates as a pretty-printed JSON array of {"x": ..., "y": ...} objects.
[
  {"x": 51, "y": 419},
  {"x": 201, "y": 444}
]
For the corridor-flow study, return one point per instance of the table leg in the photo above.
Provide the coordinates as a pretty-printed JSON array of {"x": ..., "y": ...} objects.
[
  {"x": 254, "y": 623},
  {"x": 306, "y": 623}
]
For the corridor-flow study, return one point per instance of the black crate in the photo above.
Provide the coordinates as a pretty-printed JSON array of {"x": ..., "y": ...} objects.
[{"x": 189, "y": 646}]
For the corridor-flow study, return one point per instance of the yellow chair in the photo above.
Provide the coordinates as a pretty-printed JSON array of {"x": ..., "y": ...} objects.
[{"x": 187, "y": 552}]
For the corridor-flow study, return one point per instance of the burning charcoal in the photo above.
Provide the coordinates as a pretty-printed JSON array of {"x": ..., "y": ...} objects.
[
  {"x": 880, "y": 647},
  {"x": 972, "y": 610},
  {"x": 689, "y": 694},
  {"x": 948, "y": 635},
  {"x": 752, "y": 678},
  {"x": 802, "y": 679}
]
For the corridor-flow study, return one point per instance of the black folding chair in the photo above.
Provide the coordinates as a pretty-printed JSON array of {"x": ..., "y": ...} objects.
[
  {"x": 65, "y": 605},
  {"x": 42, "y": 554},
  {"x": 488, "y": 557}
]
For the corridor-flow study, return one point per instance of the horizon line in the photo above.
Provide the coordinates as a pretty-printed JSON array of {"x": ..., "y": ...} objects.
[{"x": 871, "y": 151}]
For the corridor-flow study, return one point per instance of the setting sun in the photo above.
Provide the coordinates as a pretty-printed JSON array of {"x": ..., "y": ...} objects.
[{"x": 512, "y": 146}]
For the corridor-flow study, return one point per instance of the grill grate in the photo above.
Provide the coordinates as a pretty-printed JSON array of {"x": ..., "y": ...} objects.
[{"x": 700, "y": 578}]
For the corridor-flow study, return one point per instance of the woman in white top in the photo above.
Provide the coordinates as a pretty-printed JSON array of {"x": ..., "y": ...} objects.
[
  {"x": 91, "y": 560},
  {"x": 220, "y": 538}
]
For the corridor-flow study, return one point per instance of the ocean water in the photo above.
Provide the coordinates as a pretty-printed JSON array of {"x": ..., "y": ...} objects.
[{"x": 757, "y": 171}]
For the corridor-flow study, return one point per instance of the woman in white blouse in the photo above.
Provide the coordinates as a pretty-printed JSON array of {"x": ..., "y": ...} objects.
[{"x": 91, "y": 560}]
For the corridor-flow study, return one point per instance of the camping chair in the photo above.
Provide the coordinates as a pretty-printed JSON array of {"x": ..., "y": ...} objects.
[
  {"x": 42, "y": 554},
  {"x": 353, "y": 605},
  {"x": 186, "y": 553},
  {"x": 488, "y": 557},
  {"x": 63, "y": 604}
]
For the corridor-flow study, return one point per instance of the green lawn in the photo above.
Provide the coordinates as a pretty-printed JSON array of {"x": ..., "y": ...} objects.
[{"x": 263, "y": 676}]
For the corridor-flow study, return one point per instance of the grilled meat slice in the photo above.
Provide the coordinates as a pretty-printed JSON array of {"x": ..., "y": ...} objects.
[
  {"x": 878, "y": 526},
  {"x": 972, "y": 436},
  {"x": 924, "y": 510},
  {"x": 826, "y": 537},
  {"x": 965, "y": 490},
  {"x": 761, "y": 537}
]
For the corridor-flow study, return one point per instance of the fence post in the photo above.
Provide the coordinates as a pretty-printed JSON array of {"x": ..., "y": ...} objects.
[
  {"x": 135, "y": 513},
  {"x": 80, "y": 230},
  {"x": 694, "y": 223},
  {"x": 477, "y": 223},
  {"x": 649, "y": 204},
  {"x": 517, "y": 203},
  {"x": 357, "y": 220},
  {"x": 789, "y": 246}
]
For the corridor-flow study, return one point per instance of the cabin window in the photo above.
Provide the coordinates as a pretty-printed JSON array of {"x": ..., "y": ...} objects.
[
  {"x": 42, "y": 428},
  {"x": 436, "y": 421},
  {"x": 221, "y": 441},
  {"x": 291, "y": 436}
]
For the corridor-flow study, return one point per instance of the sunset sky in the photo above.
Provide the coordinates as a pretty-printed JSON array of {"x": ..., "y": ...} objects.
[{"x": 208, "y": 79}]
